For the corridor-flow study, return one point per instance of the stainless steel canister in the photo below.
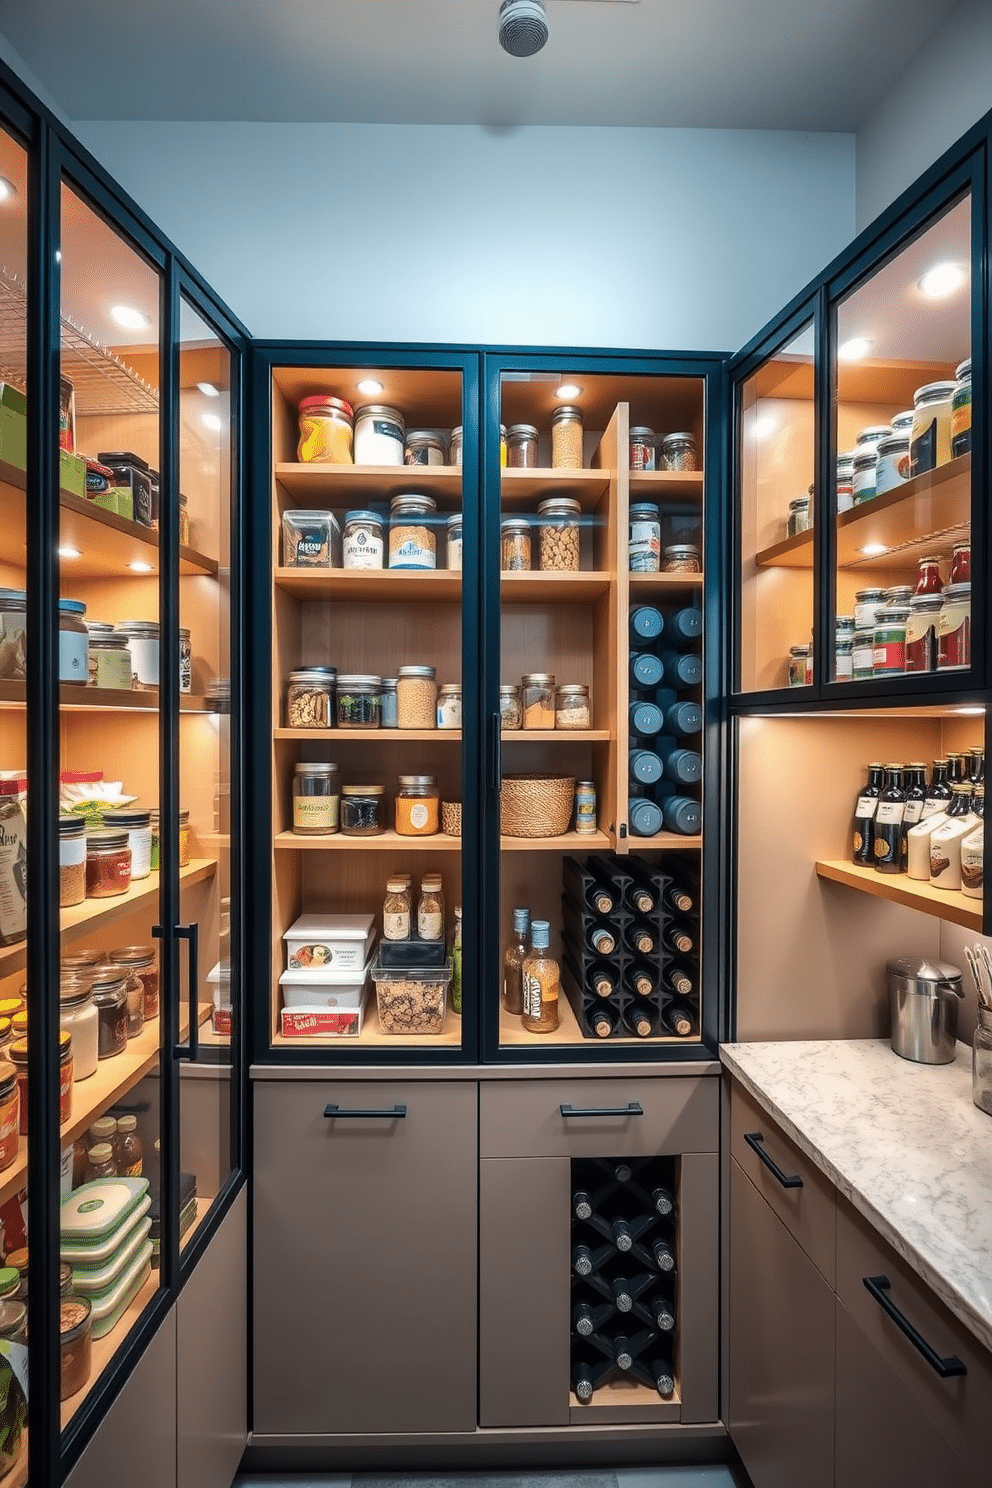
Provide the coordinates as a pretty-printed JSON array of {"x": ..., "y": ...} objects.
[{"x": 923, "y": 995}]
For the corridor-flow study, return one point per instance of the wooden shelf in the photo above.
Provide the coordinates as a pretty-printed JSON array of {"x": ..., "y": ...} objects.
[
  {"x": 453, "y": 736},
  {"x": 914, "y": 893},
  {"x": 665, "y": 841},
  {"x": 620, "y": 1403},
  {"x": 640, "y": 581},
  {"x": 387, "y": 841},
  {"x": 520, "y": 490},
  {"x": 553, "y": 588},
  {"x": 555, "y": 736},
  {"x": 378, "y": 585},
  {"x": 666, "y": 485},
  {"x": 372, "y": 1035},
  {"x": 568, "y": 842},
  {"x": 338, "y": 483},
  {"x": 113, "y": 699}
]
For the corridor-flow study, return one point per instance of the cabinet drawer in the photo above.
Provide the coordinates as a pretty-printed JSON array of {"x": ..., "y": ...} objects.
[
  {"x": 635, "y": 1116},
  {"x": 806, "y": 1209},
  {"x": 960, "y": 1406}
]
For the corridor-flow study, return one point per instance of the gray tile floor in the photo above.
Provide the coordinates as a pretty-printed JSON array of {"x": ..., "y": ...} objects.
[{"x": 632, "y": 1477}]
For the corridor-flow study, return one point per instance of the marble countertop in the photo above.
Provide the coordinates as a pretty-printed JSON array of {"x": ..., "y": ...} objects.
[{"x": 902, "y": 1142}]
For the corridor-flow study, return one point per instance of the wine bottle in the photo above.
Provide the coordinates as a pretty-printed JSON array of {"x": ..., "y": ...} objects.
[
  {"x": 887, "y": 843},
  {"x": 587, "y": 1374},
  {"x": 661, "y": 1314},
  {"x": 976, "y": 771},
  {"x": 664, "y": 1257},
  {"x": 661, "y": 1372},
  {"x": 626, "y": 1348},
  {"x": 622, "y": 1172},
  {"x": 680, "y": 668},
  {"x": 938, "y": 791},
  {"x": 513, "y": 985},
  {"x": 662, "y": 1200},
  {"x": 677, "y": 937},
  {"x": 645, "y": 766},
  {"x": 957, "y": 768},
  {"x": 677, "y": 1019},
  {"x": 601, "y": 898},
  {"x": 627, "y": 1290},
  {"x": 640, "y": 896},
  {"x": 646, "y": 719},
  {"x": 646, "y": 669},
  {"x": 641, "y": 1021},
  {"x": 603, "y": 982},
  {"x": 640, "y": 937},
  {"x": 603, "y": 1021},
  {"x": 586, "y": 1259},
  {"x": 587, "y": 1320},
  {"x": 683, "y": 815},
  {"x": 601, "y": 940},
  {"x": 684, "y": 766},
  {"x": 916, "y": 795},
  {"x": 678, "y": 899},
  {"x": 864, "y": 816},
  {"x": 676, "y": 979},
  {"x": 582, "y": 1204}
]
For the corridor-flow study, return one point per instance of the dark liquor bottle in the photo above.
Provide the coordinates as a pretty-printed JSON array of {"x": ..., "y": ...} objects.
[
  {"x": 678, "y": 899},
  {"x": 645, "y": 766},
  {"x": 938, "y": 791},
  {"x": 681, "y": 716},
  {"x": 640, "y": 937},
  {"x": 678, "y": 938},
  {"x": 646, "y": 670},
  {"x": 661, "y": 1372},
  {"x": 887, "y": 845},
  {"x": 586, "y": 1259},
  {"x": 603, "y": 1021},
  {"x": 627, "y": 1290},
  {"x": 978, "y": 801},
  {"x": 677, "y": 1019},
  {"x": 587, "y": 1374},
  {"x": 864, "y": 816},
  {"x": 643, "y": 980},
  {"x": 603, "y": 982},
  {"x": 681, "y": 668},
  {"x": 662, "y": 1200},
  {"x": 662, "y": 1314},
  {"x": 513, "y": 985},
  {"x": 587, "y": 1320},
  {"x": 957, "y": 768},
  {"x": 683, "y": 815},
  {"x": 916, "y": 795},
  {"x": 976, "y": 769}
]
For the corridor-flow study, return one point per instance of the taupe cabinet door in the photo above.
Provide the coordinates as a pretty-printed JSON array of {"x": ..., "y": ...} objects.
[{"x": 365, "y": 1257}]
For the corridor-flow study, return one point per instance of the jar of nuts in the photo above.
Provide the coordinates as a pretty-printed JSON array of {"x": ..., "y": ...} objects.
[
  {"x": 566, "y": 438},
  {"x": 559, "y": 541},
  {"x": 310, "y": 697},
  {"x": 514, "y": 545},
  {"x": 416, "y": 697}
]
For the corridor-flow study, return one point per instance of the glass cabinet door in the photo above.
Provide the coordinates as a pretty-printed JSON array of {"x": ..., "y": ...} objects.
[
  {"x": 776, "y": 423},
  {"x": 902, "y": 423}
]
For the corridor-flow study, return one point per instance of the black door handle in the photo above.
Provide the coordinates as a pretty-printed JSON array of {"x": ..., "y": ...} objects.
[
  {"x": 333, "y": 1111},
  {"x": 632, "y": 1108},
  {"x": 754, "y": 1141},
  {"x": 878, "y": 1287}
]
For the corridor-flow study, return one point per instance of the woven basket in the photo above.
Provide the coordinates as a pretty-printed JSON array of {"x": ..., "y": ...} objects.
[
  {"x": 536, "y": 805},
  {"x": 451, "y": 818}
]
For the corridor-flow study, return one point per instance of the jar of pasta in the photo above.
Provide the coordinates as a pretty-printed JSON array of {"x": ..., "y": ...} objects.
[
  {"x": 417, "y": 806},
  {"x": 310, "y": 697},
  {"x": 566, "y": 438},
  {"x": 326, "y": 427},
  {"x": 514, "y": 545},
  {"x": 559, "y": 535},
  {"x": 412, "y": 540}
]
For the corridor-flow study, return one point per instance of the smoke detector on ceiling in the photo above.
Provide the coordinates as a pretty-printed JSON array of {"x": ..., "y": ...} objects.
[{"x": 523, "y": 27}]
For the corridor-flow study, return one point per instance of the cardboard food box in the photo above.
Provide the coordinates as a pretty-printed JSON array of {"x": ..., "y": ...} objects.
[
  {"x": 72, "y": 474},
  {"x": 321, "y": 1022},
  {"x": 13, "y": 427}
]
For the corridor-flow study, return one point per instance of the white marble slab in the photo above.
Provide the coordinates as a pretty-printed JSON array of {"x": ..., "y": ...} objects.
[{"x": 902, "y": 1141}]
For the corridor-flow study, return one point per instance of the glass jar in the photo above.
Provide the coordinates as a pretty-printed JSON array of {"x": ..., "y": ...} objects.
[
  {"x": 137, "y": 823},
  {"x": 10, "y": 1114},
  {"x": 316, "y": 799},
  {"x": 867, "y": 603},
  {"x": 363, "y": 810},
  {"x": 572, "y": 709},
  {"x": 961, "y": 410},
  {"x": 454, "y": 554},
  {"x": 538, "y": 695},
  {"x": 681, "y": 558},
  {"x": 396, "y": 910},
  {"x": 890, "y": 641},
  {"x": 430, "y": 908},
  {"x": 78, "y": 1013},
  {"x": 418, "y": 806},
  {"x": 798, "y": 520},
  {"x": 863, "y": 653},
  {"x": 929, "y": 580},
  {"x": 108, "y": 864},
  {"x": 326, "y": 429},
  {"x": 899, "y": 594},
  {"x": 954, "y": 629},
  {"x": 379, "y": 431},
  {"x": 362, "y": 542},
  {"x": 183, "y": 521},
  {"x": 863, "y": 480},
  {"x": 644, "y": 543},
  {"x": 109, "y": 657},
  {"x": 892, "y": 463},
  {"x": 871, "y": 436},
  {"x": 960, "y": 564},
  {"x": 424, "y": 447},
  {"x": 455, "y": 447},
  {"x": 566, "y": 438},
  {"x": 358, "y": 701},
  {"x": 141, "y": 962},
  {"x": 142, "y": 638},
  {"x": 134, "y": 1005},
  {"x": 558, "y": 543},
  {"x": 503, "y": 450},
  {"x": 13, "y": 634},
  {"x": 72, "y": 860},
  {"x": 310, "y": 698},
  {"x": 74, "y": 642},
  {"x": 798, "y": 657},
  {"x": 449, "y": 706},
  {"x": 678, "y": 452},
  {"x": 130, "y": 1154},
  {"x": 585, "y": 807},
  {"x": 930, "y": 443},
  {"x": 412, "y": 540},
  {"x": 845, "y": 480},
  {"x": 981, "y": 1061},
  {"x": 641, "y": 447},
  {"x": 511, "y": 713},
  {"x": 521, "y": 447},
  {"x": 110, "y": 999},
  {"x": 17, "y": 1053},
  {"x": 388, "y": 705},
  {"x": 416, "y": 697},
  {"x": 902, "y": 423},
  {"x": 100, "y": 1162},
  {"x": 921, "y": 632},
  {"x": 844, "y": 659},
  {"x": 514, "y": 545},
  {"x": 184, "y": 840}
]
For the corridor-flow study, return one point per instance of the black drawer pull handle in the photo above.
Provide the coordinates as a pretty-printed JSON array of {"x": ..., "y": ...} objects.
[
  {"x": 632, "y": 1108},
  {"x": 879, "y": 1286},
  {"x": 754, "y": 1141},
  {"x": 389, "y": 1113}
]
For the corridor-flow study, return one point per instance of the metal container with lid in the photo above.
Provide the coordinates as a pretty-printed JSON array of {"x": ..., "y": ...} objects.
[
  {"x": 678, "y": 451},
  {"x": 923, "y": 996}
]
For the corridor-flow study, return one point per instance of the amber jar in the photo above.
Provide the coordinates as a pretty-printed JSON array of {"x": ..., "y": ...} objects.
[
  {"x": 18, "y": 1053},
  {"x": 100, "y": 1162},
  {"x": 140, "y": 960},
  {"x": 417, "y": 806},
  {"x": 108, "y": 864},
  {"x": 10, "y": 1114}
]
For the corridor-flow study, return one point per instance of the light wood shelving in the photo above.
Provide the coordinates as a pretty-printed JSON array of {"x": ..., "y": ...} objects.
[
  {"x": 373, "y": 1036},
  {"x": 617, "y": 1403},
  {"x": 389, "y": 841},
  {"x": 945, "y": 904},
  {"x": 553, "y": 588},
  {"x": 112, "y": 699},
  {"x": 440, "y": 736},
  {"x": 372, "y": 585},
  {"x": 666, "y": 485},
  {"x": 338, "y": 483},
  {"x": 521, "y": 490},
  {"x": 639, "y": 581}
]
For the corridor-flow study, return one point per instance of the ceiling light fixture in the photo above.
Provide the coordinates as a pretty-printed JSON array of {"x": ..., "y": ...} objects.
[
  {"x": 7, "y": 189},
  {"x": 129, "y": 318},
  {"x": 523, "y": 27},
  {"x": 208, "y": 390},
  {"x": 370, "y": 386},
  {"x": 68, "y": 552},
  {"x": 567, "y": 390},
  {"x": 854, "y": 349},
  {"x": 942, "y": 280},
  {"x": 140, "y": 567}
]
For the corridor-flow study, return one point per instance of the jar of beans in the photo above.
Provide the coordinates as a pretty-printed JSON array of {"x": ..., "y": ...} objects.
[
  {"x": 514, "y": 545},
  {"x": 72, "y": 860},
  {"x": 559, "y": 539},
  {"x": 358, "y": 704},
  {"x": 521, "y": 447},
  {"x": 416, "y": 697},
  {"x": 678, "y": 452},
  {"x": 417, "y": 806},
  {"x": 363, "y": 810},
  {"x": 566, "y": 438}
]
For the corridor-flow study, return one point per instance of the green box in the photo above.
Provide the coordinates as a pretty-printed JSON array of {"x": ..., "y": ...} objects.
[
  {"x": 124, "y": 501},
  {"x": 72, "y": 474},
  {"x": 105, "y": 500},
  {"x": 13, "y": 427}
]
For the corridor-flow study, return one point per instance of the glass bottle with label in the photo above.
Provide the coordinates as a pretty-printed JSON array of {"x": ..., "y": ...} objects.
[
  {"x": 130, "y": 1155},
  {"x": 864, "y": 816},
  {"x": 916, "y": 795},
  {"x": 430, "y": 908},
  {"x": 516, "y": 952},
  {"x": 887, "y": 844},
  {"x": 541, "y": 982},
  {"x": 396, "y": 910},
  {"x": 938, "y": 791},
  {"x": 946, "y": 840}
]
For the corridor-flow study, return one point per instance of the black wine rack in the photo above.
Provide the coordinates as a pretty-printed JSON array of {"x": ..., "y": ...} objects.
[{"x": 624, "y": 1249}]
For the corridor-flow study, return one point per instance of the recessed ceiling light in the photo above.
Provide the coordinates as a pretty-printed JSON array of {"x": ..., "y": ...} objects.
[
  {"x": 7, "y": 189},
  {"x": 764, "y": 426},
  {"x": 873, "y": 550},
  {"x": 208, "y": 390},
  {"x": 69, "y": 552},
  {"x": 567, "y": 390},
  {"x": 140, "y": 567},
  {"x": 854, "y": 349},
  {"x": 212, "y": 420},
  {"x": 942, "y": 280},
  {"x": 128, "y": 318},
  {"x": 370, "y": 386}
]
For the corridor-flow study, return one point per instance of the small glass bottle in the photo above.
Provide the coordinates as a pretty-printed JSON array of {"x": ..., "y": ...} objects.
[
  {"x": 100, "y": 1162},
  {"x": 396, "y": 910},
  {"x": 540, "y": 982},
  {"x": 430, "y": 908},
  {"x": 513, "y": 961},
  {"x": 130, "y": 1154}
]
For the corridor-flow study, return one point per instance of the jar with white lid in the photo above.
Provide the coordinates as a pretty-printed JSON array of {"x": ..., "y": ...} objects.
[
  {"x": 558, "y": 544},
  {"x": 871, "y": 436},
  {"x": 109, "y": 657},
  {"x": 379, "y": 435},
  {"x": 362, "y": 544},
  {"x": 863, "y": 479},
  {"x": 521, "y": 447},
  {"x": 867, "y": 603},
  {"x": 902, "y": 423},
  {"x": 930, "y": 443},
  {"x": 449, "y": 706},
  {"x": 142, "y": 641},
  {"x": 845, "y": 480},
  {"x": 892, "y": 463},
  {"x": 454, "y": 534},
  {"x": 74, "y": 661},
  {"x": 78, "y": 1013},
  {"x": 566, "y": 438},
  {"x": 412, "y": 539},
  {"x": 424, "y": 447},
  {"x": 961, "y": 410},
  {"x": 921, "y": 632},
  {"x": 641, "y": 447},
  {"x": 644, "y": 543},
  {"x": 678, "y": 452}
]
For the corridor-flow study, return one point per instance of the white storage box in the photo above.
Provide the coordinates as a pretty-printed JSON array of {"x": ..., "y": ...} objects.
[
  {"x": 326, "y": 989},
  {"x": 329, "y": 942}
]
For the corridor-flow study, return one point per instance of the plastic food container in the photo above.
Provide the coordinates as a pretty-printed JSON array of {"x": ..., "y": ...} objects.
[
  {"x": 344, "y": 990},
  {"x": 319, "y": 943},
  {"x": 411, "y": 1000},
  {"x": 311, "y": 539}
]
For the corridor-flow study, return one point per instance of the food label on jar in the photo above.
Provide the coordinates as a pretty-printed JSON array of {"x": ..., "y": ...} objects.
[
  {"x": 13, "y": 874},
  {"x": 449, "y": 713},
  {"x": 73, "y": 659},
  {"x": 144, "y": 661},
  {"x": 923, "y": 449},
  {"x": 141, "y": 852},
  {"x": 110, "y": 669},
  {"x": 912, "y": 813},
  {"x": 973, "y": 864},
  {"x": 72, "y": 851},
  {"x": 866, "y": 807},
  {"x": 954, "y": 637},
  {"x": 921, "y": 652},
  {"x": 362, "y": 549},
  {"x": 133, "y": 1171},
  {"x": 889, "y": 812},
  {"x": 185, "y": 666},
  {"x": 419, "y": 816},
  {"x": 890, "y": 656},
  {"x": 455, "y": 554},
  {"x": 645, "y": 547},
  {"x": 396, "y": 926},
  {"x": 411, "y": 550},
  {"x": 429, "y": 926},
  {"x": 532, "y": 996},
  {"x": 316, "y": 813}
]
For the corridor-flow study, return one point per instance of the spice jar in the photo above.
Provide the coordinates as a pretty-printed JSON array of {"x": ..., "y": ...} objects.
[
  {"x": 362, "y": 544},
  {"x": 863, "y": 653},
  {"x": 454, "y": 553},
  {"x": 538, "y": 695},
  {"x": 961, "y": 410},
  {"x": 416, "y": 697},
  {"x": 74, "y": 641},
  {"x": 678, "y": 452},
  {"x": 844, "y": 658},
  {"x": 358, "y": 704},
  {"x": 310, "y": 696},
  {"x": 449, "y": 706},
  {"x": 511, "y": 713},
  {"x": 559, "y": 534},
  {"x": 72, "y": 860},
  {"x": 960, "y": 564},
  {"x": 430, "y": 908},
  {"x": 141, "y": 961},
  {"x": 417, "y": 806},
  {"x": 137, "y": 823},
  {"x": 798, "y": 520},
  {"x": 521, "y": 447},
  {"x": 566, "y": 438},
  {"x": 363, "y": 810},
  {"x": 108, "y": 864},
  {"x": 184, "y": 840},
  {"x": 644, "y": 543},
  {"x": 798, "y": 656},
  {"x": 921, "y": 632},
  {"x": 890, "y": 641},
  {"x": 954, "y": 629},
  {"x": 10, "y": 1114},
  {"x": 104, "y": 1129},
  {"x": 863, "y": 482},
  {"x": 130, "y": 1154},
  {"x": 379, "y": 432},
  {"x": 455, "y": 446},
  {"x": 514, "y": 545},
  {"x": 134, "y": 1003},
  {"x": 867, "y": 603},
  {"x": 845, "y": 481},
  {"x": 326, "y": 429},
  {"x": 316, "y": 798},
  {"x": 930, "y": 443},
  {"x": 871, "y": 436},
  {"x": 424, "y": 447},
  {"x": 572, "y": 706},
  {"x": 78, "y": 1014},
  {"x": 681, "y": 558},
  {"x": 100, "y": 1162},
  {"x": 396, "y": 910},
  {"x": 892, "y": 463},
  {"x": 388, "y": 706},
  {"x": 110, "y": 999},
  {"x": 412, "y": 542},
  {"x": 109, "y": 658},
  {"x": 641, "y": 448},
  {"x": 142, "y": 638}
]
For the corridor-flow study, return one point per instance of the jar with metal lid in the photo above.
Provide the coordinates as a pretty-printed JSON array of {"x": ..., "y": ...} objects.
[
  {"x": 316, "y": 798},
  {"x": 902, "y": 423},
  {"x": 417, "y": 806},
  {"x": 872, "y": 435},
  {"x": 100, "y": 1162},
  {"x": 566, "y": 438},
  {"x": 572, "y": 710},
  {"x": 184, "y": 840},
  {"x": 930, "y": 442},
  {"x": 416, "y": 697},
  {"x": 844, "y": 658},
  {"x": 961, "y": 410},
  {"x": 5, "y": 1033},
  {"x": 185, "y": 662},
  {"x": 110, "y": 999},
  {"x": 454, "y": 532},
  {"x": 521, "y": 447},
  {"x": 642, "y": 443},
  {"x": 362, "y": 542},
  {"x": 363, "y": 810},
  {"x": 358, "y": 700},
  {"x": 396, "y": 909},
  {"x": 798, "y": 516},
  {"x": 72, "y": 860},
  {"x": 538, "y": 695},
  {"x": 511, "y": 713},
  {"x": 863, "y": 653},
  {"x": 514, "y": 545},
  {"x": 892, "y": 463},
  {"x": 142, "y": 641},
  {"x": 130, "y": 1156},
  {"x": 141, "y": 961},
  {"x": 78, "y": 1013},
  {"x": 425, "y": 447},
  {"x": 899, "y": 594},
  {"x": 798, "y": 657},
  {"x": 109, "y": 657},
  {"x": 326, "y": 429},
  {"x": 379, "y": 431},
  {"x": 921, "y": 632},
  {"x": 558, "y": 543},
  {"x": 954, "y": 629},
  {"x": 74, "y": 642},
  {"x": 455, "y": 447},
  {"x": 449, "y": 706},
  {"x": 890, "y": 641},
  {"x": 108, "y": 864},
  {"x": 137, "y": 823},
  {"x": 183, "y": 520},
  {"x": 644, "y": 542},
  {"x": 412, "y": 539},
  {"x": 388, "y": 705},
  {"x": 13, "y": 634},
  {"x": 960, "y": 564},
  {"x": 863, "y": 481},
  {"x": 845, "y": 481},
  {"x": 133, "y": 1003},
  {"x": 928, "y": 578},
  {"x": 10, "y": 1114},
  {"x": 678, "y": 452},
  {"x": 310, "y": 698},
  {"x": 867, "y": 602},
  {"x": 681, "y": 558}
]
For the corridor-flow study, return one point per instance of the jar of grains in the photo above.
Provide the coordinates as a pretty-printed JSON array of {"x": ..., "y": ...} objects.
[
  {"x": 449, "y": 706},
  {"x": 930, "y": 444},
  {"x": 559, "y": 534},
  {"x": 572, "y": 706},
  {"x": 514, "y": 545},
  {"x": 316, "y": 798},
  {"x": 417, "y": 806},
  {"x": 108, "y": 864},
  {"x": 362, "y": 543},
  {"x": 681, "y": 558},
  {"x": 358, "y": 704},
  {"x": 137, "y": 823},
  {"x": 961, "y": 410},
  {"x": 641, "y": 448},
  {"x": 538, "y": 694},
  {"x": 566, "y": 438},
  {"x": 310, "y": 697},
  {"x": 954, "y": 628},
  {"x": 521, "y": 447},
  {"x": 379, "y": 432},
  {"x": 678, "y": 452},
  {"x": 455, "y": 447},
  {"x": 72, "y": 860},
  {"x": 78, "y": 1013},
  {"x": 326, "y": 426},
  {"x": 425, "y": 447},
  {"x": 363, "y": 810},
  {"x": 412, "y": 540},
  {"x": 388, "y": 706},
  {"x": 110, "y": 998},
  {"x": 644, "y": 543},
  {"x": 416, "y": 697},
  {"x": 184, "y": 837},
  {"x": 74, "y": 641},
  {"x": 511, "y": 713},
  {"x": 454, "y": 555},
  {"x": 140, "y": 961}
]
